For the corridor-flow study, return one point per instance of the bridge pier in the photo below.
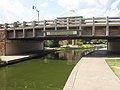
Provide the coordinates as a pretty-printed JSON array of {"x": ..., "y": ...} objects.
[
  {"x": 2, "y": 43},
  {"x": 114, "y": 45}
]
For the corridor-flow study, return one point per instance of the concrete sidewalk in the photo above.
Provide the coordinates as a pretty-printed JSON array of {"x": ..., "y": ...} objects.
[
  {"x": 92, "y": 74},
  {"x": 12, "y": 58}
]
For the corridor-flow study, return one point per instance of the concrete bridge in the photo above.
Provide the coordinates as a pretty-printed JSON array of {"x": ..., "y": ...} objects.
[{"x": 29, "y": 36}]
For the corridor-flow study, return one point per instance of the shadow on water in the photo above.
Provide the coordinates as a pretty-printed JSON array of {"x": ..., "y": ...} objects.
[
  {"x": 68, "y": 55},
  {"x": 103, "y": 53}
]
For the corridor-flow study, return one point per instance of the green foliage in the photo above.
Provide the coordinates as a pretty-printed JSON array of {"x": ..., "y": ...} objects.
[
  {"x": 98, "y": 41},
  {"x": 87, "y": 46},
  {"x": 48, "y": 43},
  {"x": 79, "y": 43},
  {"x": 52, "y": 43},
  {"x": 60, "y": 49}
]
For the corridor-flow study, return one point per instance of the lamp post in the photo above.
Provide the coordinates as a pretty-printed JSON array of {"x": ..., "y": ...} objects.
[{"x": 33, "y": 7}]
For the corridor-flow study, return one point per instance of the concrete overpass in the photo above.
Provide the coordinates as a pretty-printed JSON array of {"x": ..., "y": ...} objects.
[{"x": 28, "y": 36}]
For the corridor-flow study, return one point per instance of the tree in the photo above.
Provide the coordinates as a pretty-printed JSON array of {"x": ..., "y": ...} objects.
[{"x": 52, "y": 43}]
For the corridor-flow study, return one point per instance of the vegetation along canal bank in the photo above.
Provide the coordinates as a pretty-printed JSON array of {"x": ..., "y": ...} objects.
[{"x": 47, "y": 73}]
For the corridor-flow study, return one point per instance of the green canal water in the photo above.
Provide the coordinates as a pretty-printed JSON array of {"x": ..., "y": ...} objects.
[{"x": 47, "y": 73}]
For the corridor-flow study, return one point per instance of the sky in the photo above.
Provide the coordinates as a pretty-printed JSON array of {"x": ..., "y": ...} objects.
[{"x": 21, "y": 10}]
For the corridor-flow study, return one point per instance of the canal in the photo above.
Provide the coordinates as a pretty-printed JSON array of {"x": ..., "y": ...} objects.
[{"x": 46, "y": 73}]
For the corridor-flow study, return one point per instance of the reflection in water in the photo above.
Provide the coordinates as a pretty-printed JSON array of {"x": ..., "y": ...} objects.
[
  {"x": 47, "y": 73},
  {"x": 67, "y": 55}
]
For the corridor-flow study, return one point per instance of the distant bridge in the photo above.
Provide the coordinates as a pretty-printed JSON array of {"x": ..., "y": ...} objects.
[{"x": 61, "y": 28}]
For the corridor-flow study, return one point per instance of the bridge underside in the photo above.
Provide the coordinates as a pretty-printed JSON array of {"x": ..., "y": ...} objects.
[{"x": 67, "y": 38}]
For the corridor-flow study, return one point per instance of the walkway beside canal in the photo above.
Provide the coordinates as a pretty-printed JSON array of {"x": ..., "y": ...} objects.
[
  {"x": 5, "y": 60},
  {"x": 92, "y": 73}
]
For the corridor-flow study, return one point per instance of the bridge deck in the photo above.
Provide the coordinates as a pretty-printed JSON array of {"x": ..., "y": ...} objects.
[{"x": 75, "y": 27}]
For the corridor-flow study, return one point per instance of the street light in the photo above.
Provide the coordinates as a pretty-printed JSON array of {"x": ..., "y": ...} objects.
[{"x": 33, "y": 7}]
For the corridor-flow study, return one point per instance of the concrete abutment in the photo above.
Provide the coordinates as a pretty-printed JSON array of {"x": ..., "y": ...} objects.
[
  {"x": 23, "y": 46},
  {"x": 2, "y": 42},
  {"x": 114, "y": 46}
]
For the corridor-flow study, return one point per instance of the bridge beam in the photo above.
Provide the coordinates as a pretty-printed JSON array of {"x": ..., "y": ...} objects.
[{"x": 114, "y": 45}]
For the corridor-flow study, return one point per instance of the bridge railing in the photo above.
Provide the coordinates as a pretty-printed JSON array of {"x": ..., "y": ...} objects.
[
  {"x": 98, "y": 20},
  {"x": 62, "y": 22},
  {"x": 1, "y": 26},
  {"x": 114, "y": 20},
  {"x": 101, "y": 26},
  {"x": 102, "y": 20}
]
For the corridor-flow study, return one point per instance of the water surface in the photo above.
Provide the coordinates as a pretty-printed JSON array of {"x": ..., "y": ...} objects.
[{"x": 47, "y": 73}]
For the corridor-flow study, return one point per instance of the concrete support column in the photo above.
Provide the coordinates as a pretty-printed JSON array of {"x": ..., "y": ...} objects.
[{"x": 114, "y": 46}]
